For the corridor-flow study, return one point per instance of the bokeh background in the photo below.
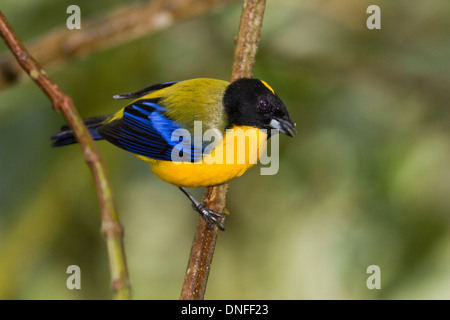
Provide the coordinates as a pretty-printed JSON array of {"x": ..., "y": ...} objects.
[{"x": 365, "y": 182}]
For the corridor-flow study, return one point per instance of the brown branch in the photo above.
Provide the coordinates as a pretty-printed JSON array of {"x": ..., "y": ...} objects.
[
  {"x": 121, "y": 25},
  {"x": 111, "y": 227},
  {"x": 202, "y": 250}
]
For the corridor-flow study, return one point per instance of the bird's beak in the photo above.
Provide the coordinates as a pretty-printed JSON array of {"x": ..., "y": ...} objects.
[{"x": 285, "y": 126}]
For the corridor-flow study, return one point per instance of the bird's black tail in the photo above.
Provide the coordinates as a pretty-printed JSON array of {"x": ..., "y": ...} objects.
[{"x": 66, "y": 135}]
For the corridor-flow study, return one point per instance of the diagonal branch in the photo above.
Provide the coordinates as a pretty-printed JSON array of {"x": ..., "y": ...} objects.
[
  {"x": 111, "y": 227},
  {"x": 202, "y": 250}
]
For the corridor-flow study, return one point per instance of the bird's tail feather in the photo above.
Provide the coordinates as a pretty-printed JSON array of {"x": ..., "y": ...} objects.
[{"x": 66, "y": 135}]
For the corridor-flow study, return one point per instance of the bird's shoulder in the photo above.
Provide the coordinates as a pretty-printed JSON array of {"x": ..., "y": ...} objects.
[{"x": 193, "y": 100}]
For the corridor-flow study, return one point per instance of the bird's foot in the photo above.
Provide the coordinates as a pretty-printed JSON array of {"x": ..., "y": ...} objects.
[{"x": 210, "y": 216}]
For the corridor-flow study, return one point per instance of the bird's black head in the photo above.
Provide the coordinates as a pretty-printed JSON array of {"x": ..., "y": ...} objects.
[{"x": 252, "y": 102}]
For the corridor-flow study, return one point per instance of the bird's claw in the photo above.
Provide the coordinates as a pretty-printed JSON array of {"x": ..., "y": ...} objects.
[{"x": 210, "y": 216}]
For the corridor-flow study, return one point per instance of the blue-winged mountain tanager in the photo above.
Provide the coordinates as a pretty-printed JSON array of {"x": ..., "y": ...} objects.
[{"x": 152, "y": 128}]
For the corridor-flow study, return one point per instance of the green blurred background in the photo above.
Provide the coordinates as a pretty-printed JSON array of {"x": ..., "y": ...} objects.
[{"x": 365, "y": 182}]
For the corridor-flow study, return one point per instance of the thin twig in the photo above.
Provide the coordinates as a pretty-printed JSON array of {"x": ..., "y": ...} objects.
[
  {"x": 111, "y": 227},
  {"x": 120, "y": 25},
  {"x": 202, "y": 250}
]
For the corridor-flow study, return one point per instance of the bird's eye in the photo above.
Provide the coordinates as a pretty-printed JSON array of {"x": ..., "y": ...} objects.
[{"x": 263, "y": 104}]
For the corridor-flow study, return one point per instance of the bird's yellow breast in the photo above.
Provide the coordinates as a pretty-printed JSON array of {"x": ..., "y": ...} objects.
[{"x": 240, "y": 149}]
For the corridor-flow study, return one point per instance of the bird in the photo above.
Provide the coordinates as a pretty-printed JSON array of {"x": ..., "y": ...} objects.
[{"x": 166, "y": 126}]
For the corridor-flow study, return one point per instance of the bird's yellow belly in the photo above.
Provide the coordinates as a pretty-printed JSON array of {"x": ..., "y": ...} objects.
[{"x": 227, "y": 161}]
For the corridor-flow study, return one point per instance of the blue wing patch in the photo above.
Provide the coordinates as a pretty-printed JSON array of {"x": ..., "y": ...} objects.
[{"x": 145, "y": 130}]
